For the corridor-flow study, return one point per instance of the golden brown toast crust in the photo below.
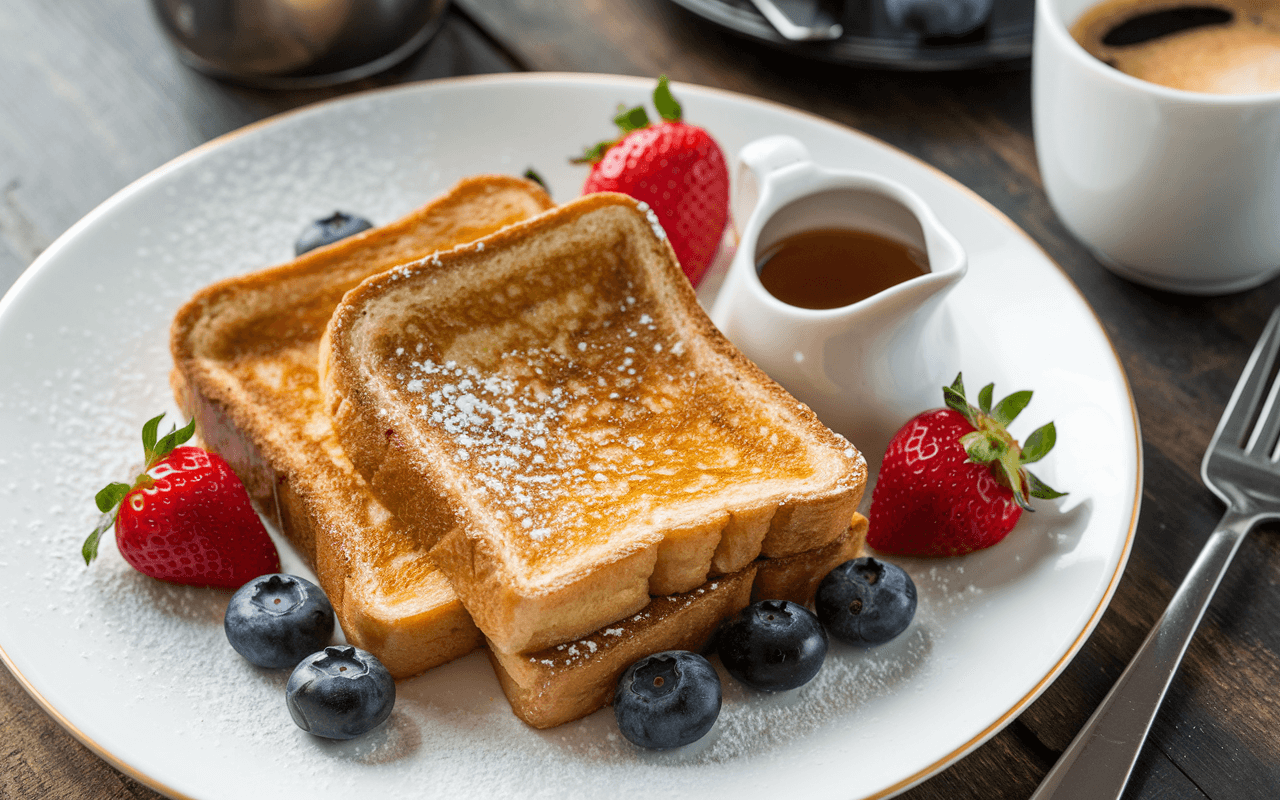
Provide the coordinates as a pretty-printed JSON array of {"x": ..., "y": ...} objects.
[
  {"x": 569, "y": 681},
  {"x": 245, "y": 366},
  {"x": 449, "y": 379},
  {"x": 796, "y": 577}
]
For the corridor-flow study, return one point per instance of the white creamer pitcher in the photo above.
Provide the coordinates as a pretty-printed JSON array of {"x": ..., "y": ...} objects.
[{"x": 866, "y": 367}]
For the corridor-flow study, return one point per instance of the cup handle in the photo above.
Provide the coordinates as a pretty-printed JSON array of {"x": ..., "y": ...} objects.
[{"x": 755, "y": 161}]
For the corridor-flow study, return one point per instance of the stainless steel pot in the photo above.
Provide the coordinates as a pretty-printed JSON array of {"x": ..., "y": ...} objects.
[{"x": 297, "y": 43}]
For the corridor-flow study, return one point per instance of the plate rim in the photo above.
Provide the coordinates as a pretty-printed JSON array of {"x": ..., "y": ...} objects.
[{"x": 50, "y": 253}]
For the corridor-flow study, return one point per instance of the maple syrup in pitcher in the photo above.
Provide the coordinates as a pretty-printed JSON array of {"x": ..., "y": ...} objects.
[{"x": 834, "y": 267}]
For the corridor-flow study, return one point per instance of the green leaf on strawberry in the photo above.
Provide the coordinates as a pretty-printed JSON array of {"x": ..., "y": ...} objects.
[
  {"x": 532, "y": 174},
  {"x": 1039, "y": 489},
  {"x": 634, "y": 118},
  {"x": 90, "y": 547},
  {"x": 1039, "y": 443},
  {"x": 1008, "y": 409},
  {"x": 149, "y": 430},
  {"x": 631, "y": 119},
  {"x": 111, "y": 495},
  {"x": 665, "y": 102},
  {"x": 106, "y": 499},
  {"x": 984, "y": 396},
  {"x": 593, "y": 154},
  {"x": 953, "y": 396}
]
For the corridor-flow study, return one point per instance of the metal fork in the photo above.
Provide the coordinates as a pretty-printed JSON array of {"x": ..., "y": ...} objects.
[{"x": 1241, "y": 468}]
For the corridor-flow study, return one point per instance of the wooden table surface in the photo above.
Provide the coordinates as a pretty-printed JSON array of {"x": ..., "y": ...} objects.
[{"x": 91, "y": 98}]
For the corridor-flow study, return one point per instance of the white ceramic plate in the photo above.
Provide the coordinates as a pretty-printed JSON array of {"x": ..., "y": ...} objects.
[{"x": 140, "y": 671}]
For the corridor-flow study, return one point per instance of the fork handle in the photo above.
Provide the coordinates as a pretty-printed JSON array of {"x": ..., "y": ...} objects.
[{"x": 1098, "y": 761}]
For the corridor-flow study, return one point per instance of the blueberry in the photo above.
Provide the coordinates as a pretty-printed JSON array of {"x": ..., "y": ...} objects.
[
  {"x": 329, "y": 230},
  {"x": 866, "y": 601},
  {"x": 278, "y": 620},
  {"x": 667, "y": 699},
  {"x": 773, "y": 645},
  {"x": 340, "y": 692}
]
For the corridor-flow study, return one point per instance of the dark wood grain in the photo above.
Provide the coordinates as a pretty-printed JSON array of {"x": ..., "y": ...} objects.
[{"x": 91, "y": 98}]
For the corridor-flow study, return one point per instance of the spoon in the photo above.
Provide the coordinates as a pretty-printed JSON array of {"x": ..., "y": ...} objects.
[{"x": 794, "y": 32}]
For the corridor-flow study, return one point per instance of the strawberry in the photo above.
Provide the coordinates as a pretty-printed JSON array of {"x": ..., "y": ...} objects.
[
  {"x": 186, "y": 518},
  {"x": 953, "y": 479},
  {"x": 674, "y": 167}
]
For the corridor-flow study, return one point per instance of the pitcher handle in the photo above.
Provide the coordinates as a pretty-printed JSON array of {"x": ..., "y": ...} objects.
[{"x": 756, "y": 161}]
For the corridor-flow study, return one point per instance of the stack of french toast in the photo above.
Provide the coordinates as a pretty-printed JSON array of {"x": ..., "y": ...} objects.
[{"x": 502, "y": 423}]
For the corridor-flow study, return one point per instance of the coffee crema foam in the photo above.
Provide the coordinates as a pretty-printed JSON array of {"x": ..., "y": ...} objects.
[{"x": 1234, "y": 48}]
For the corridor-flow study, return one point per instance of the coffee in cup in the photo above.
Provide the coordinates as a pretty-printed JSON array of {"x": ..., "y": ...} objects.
[
  {"x": 1179, "y": 190},
  {"x": 1214, "y": 46}
]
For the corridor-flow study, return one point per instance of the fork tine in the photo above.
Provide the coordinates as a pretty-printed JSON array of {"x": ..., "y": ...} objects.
[
  {"x": 1248, "y": 393},
  {"x": 1263, "y": 439}
]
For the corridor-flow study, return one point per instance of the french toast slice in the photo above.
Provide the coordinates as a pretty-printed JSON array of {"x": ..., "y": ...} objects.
[
  {"x": 553, "y": 413},
  {"x": 568, "y": 681},
  {"x": 245, "y": 353}
]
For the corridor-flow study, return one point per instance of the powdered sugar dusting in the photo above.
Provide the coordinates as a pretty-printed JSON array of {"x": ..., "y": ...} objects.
[
  {"x": 576, "y": 435},
  {"x": 652, "y": 217}
]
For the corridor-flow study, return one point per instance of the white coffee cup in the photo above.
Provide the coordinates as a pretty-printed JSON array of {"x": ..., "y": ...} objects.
[{"x": 1171, "y": 189}]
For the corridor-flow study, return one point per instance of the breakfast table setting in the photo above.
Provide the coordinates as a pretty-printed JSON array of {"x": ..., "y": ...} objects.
[{"x": 1104, "y": 241}]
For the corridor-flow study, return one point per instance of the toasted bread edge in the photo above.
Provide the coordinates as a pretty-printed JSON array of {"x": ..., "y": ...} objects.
[{"x": 569, "y": 681}]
